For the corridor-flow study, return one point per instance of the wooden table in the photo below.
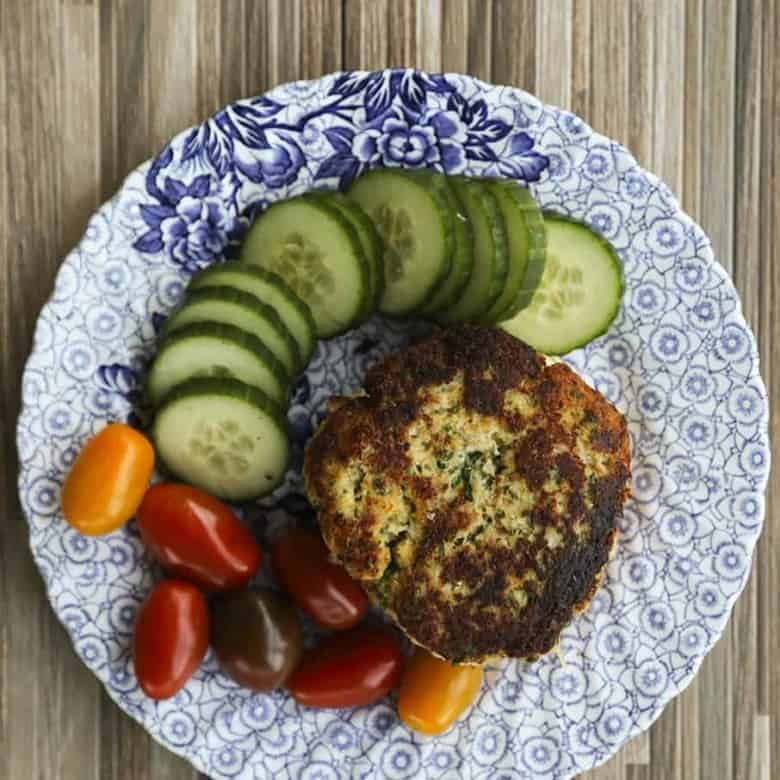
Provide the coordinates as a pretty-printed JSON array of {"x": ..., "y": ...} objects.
[{"x": 90, "y": 89}]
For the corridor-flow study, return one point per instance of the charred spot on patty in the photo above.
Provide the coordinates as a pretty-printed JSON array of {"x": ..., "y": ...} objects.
[{"x": 474, "y": 491}]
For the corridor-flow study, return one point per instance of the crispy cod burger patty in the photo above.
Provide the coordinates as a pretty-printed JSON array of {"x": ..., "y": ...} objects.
[{"x": 474, "y": 491}]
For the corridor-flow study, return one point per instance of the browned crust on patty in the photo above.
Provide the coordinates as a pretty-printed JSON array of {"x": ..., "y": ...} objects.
[{"x": 474, "y": 491}]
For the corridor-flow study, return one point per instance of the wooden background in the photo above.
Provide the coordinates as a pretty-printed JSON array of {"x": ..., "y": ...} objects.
[{"x": 90, "y": 89}]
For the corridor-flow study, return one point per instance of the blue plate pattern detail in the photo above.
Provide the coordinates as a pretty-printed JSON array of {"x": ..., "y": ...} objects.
[{"x": 679, "y": 362}]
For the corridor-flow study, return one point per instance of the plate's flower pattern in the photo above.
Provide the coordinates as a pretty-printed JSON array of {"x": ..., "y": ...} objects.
[
  {"x": 187, "y": 224},
  {"x": 275, "y": 165},
  {"x": 389, "y": 118},
  {"x": 679, "y": 361},
  {"x": 406, "y": 145},
  {"x": 398, "y": 144}
]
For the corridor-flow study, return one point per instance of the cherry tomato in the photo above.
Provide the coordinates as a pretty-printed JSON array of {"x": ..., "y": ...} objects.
[
  {"x": 316, "y": 584},
  {"x": 196, "y": 537},
  {"x": 348, "y": 669},
  {"x": 171, "y": 638},
  {"x": 108, "y": 480},
  {"x": 434, "y": 693},
  {"x": 257, "y": 638}
]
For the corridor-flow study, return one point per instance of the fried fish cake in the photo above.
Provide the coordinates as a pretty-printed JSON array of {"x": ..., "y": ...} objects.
[{"x": 474, "y": 491}]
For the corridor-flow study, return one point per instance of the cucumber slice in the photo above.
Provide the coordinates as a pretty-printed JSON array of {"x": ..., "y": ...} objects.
[
  {"x": 417, "y": 228},
  {"x": 223, "y": 436},
  {"x": 579, "y": 294},
  {"x": 271, "y": 289},
  {"x": 317, "y": 252},
  {"x": 449, "y": 291},
  {"x": 369, "y": 238},
  {"x": 242, "y": 310},
  {"x": 211, "y": 349},
  {"x": 525, "y": 231},
  {"x": 491, "y": 252}
]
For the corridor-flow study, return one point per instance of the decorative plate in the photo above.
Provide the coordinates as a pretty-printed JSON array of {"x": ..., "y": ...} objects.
[{"x": 679, "y": 361}]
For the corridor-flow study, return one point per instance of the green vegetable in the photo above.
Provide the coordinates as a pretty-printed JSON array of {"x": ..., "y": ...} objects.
[
  {"x": 318, "y": 253},
  {"x": 579, "y": 294},
  {"x": 417, "y": 227},
  {"x": 272, "y": 290},
  {"x": 223, "y": 436}
]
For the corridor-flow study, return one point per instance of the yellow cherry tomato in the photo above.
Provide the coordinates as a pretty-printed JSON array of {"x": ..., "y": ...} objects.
[
  {"x": 108, "y": 480},
  {"x": 434, "y": 693}
]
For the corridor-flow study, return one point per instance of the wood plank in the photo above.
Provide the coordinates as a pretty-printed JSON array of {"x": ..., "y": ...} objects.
[
  {"x": 79, "y": 98},
  {"x": 637, "y": 751},
  {"x": 23, "y": 726},
  {"x": 513, "y": 43},
  {"x": 77, "y": 102},
  {"x": 208, "y": 47},
  {"x": 283, "y": 41},
  {"x": 171, "y": 49},
  {"x": 554, "y": 52},
  {"x": 608, "y": 109},
  {"x": 124, "y": 102},
  {"x": 641, "y": 78},
  {"x": 125, "y": 746},
  {"x": 404, "y": 21},
  {"x": 717, "y": 127},
  {"x": 744, "y": 626},
  {"x": 14, "y": 579},
  {"x": 613, "y": 769},
  {"x": 40, "y": 674},
  {"x": 221, "y": 54},
  {"x": 761, "y": 766},
  {"x": 424, "y": 47},
  {"x": 454, "y": 32},
  {"x": 257, "y": 78},
  {"x": 581, "y": 57},
  {"x": 366, "y": 40},
  {"x": 668, "y": 98},
  {"x": 768, "y": 558},
  {"x": 480, "y": 43},
  {"x": 694, "y": 67},
  {"x": 7, "y": 408},
  {"x": 321, "y": 53},
  {"x": 107, "y": 77},
  {"x": 233, "y": 45}
]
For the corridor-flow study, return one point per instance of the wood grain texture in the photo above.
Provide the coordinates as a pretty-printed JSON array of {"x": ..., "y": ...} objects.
[{"x": 89, "y": 89}]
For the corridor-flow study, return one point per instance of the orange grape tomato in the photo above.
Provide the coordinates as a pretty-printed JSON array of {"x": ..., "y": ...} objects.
[
  {"x": 108, "y": 480},
  {"x": 435, "y": 693}
]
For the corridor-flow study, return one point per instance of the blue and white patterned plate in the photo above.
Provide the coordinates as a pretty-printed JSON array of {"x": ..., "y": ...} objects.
[{"x": 679, "y": 361}]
